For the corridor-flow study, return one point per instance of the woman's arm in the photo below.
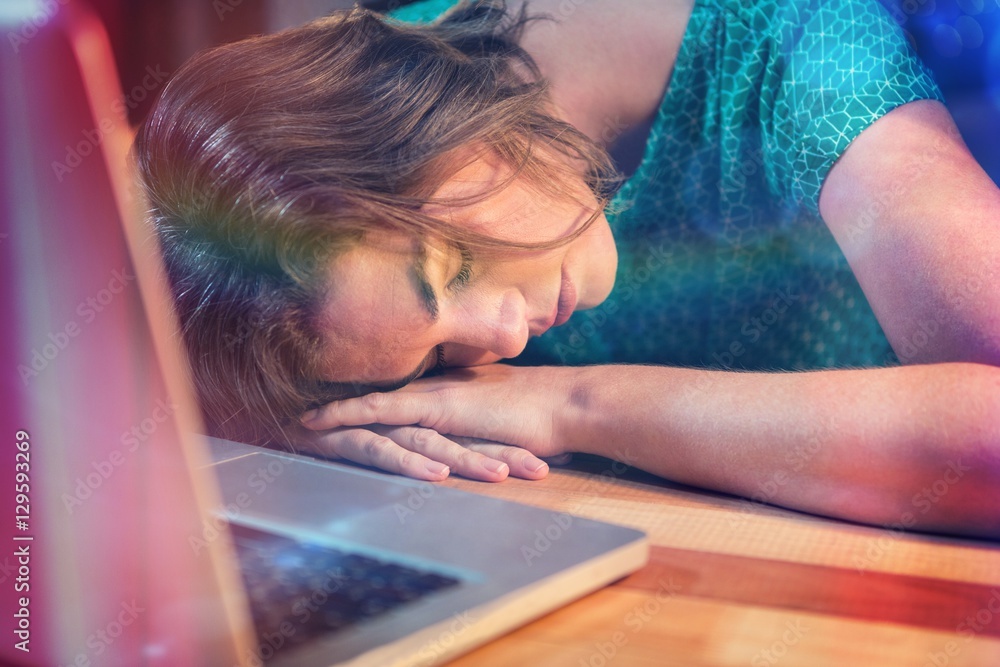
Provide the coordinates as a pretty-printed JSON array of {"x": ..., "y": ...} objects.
[
  {"x": 919, "y": 221},
  {"x": 917, "y": 445}
]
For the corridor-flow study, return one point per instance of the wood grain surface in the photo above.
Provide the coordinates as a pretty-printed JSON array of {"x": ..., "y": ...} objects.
[{"x": 731, "y": 582}]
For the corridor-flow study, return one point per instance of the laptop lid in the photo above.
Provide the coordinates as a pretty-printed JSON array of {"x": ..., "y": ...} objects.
[{"x": 95, "y": 405}]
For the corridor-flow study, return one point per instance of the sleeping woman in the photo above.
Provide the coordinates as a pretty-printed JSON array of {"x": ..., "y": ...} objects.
[{"x": 739, "y": 245}]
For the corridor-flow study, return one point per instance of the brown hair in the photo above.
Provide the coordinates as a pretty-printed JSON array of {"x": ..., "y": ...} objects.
[{"x": 264, "y": 158}]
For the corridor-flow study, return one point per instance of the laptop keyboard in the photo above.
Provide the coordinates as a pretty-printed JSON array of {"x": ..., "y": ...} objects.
[{"x": 300, "y": 590}]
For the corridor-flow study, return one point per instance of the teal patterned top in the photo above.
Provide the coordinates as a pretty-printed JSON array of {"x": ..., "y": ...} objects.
[{"x": 724, "y": 259}]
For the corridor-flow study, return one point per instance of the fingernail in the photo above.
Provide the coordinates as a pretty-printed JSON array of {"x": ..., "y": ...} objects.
[
  {"x": 308, "y": 416},
  {"x": 537, "y": 466},
  {"x": 498, "y": 467},
  {"x": 435, "y": 468}
]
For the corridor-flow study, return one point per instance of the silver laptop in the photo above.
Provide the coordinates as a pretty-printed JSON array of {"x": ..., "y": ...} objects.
[
  {"x": 401, "y": 572},
  {"x": 146, "y": 543}
]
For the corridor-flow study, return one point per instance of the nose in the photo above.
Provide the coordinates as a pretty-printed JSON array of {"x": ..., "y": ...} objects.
[{"x": 496, "y": 324}]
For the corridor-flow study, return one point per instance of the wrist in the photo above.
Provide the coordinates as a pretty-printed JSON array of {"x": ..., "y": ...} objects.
[{"x": 579, "y": 423}]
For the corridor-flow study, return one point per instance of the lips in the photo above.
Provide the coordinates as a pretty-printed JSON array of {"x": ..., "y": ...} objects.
[
  {"x": 564, "y": 307},
  {"x": 567, "y": 300}
]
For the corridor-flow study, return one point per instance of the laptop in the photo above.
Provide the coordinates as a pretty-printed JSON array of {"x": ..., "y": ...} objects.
[{"x": 139, "y": 541}]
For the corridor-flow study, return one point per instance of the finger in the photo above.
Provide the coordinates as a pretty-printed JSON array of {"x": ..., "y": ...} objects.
[
  {"x": 373, "y": 449},
  {"x": 521, "y": 462},
  {"x": 461, "y": 460},
  {"x": 397, "y": 408}
]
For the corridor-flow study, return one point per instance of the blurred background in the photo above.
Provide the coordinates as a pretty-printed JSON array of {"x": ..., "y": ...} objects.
[{"x": 958, "y": 39}]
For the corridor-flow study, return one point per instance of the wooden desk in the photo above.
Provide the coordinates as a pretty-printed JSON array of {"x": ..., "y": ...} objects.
[{"x": 733, "y": 583}]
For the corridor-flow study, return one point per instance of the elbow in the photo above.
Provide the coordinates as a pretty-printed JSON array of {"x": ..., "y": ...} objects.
[
  {"x": 954, "y": 481},
  {"x": 930, "y": 341}
]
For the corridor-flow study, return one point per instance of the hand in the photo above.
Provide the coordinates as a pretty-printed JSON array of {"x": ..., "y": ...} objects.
[
  {"x": 497, "y": 403},
  {"x": 422, "y": 453}
]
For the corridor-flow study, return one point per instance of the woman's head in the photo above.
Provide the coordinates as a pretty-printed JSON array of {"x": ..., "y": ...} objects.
[
  {"x": 295, "y": 179},
  {"x": 397, "y": 306}
]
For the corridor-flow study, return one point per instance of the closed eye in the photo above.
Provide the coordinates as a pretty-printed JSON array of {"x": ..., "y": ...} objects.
[
  {"x": 460, "y": 280},
  {"x": 464, "y": 274}
]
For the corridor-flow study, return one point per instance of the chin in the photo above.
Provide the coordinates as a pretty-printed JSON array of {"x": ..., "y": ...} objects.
[
  {"x": 600, "y": 279},
  {"x": 595, "y": 297}
]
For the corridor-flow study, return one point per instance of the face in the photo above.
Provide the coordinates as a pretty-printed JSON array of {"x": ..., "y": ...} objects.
[{"x": 396, "y": 307}]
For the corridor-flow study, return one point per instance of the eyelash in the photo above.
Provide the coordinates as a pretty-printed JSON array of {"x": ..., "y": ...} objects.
[
  {"x": 461, "y": 279},
  {"x": 464, "y": 274}
]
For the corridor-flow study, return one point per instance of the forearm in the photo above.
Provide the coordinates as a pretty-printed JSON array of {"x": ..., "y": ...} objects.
[{"x": 916, "y": 445}]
